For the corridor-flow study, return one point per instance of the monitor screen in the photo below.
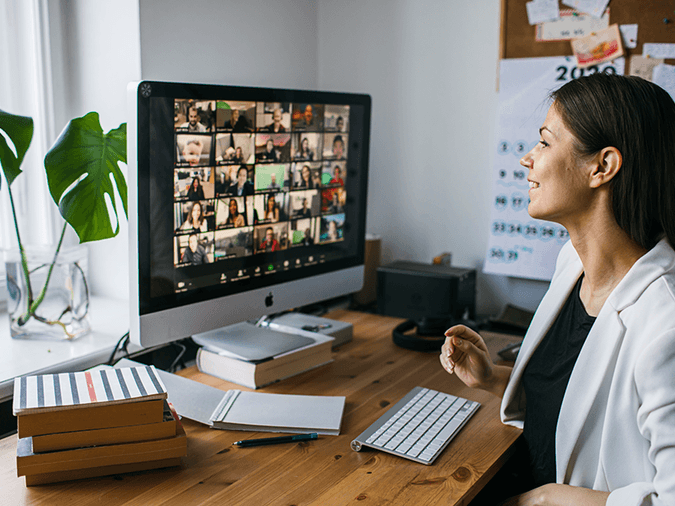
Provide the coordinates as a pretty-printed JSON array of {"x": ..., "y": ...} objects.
[{"x": 242, "y": 202}]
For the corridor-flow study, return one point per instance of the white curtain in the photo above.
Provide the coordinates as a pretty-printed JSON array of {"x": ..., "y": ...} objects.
[{"x": 26, "y": 89}]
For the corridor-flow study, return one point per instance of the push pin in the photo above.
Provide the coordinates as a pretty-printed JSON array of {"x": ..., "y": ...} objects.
[{"x": 666, "y": 21}]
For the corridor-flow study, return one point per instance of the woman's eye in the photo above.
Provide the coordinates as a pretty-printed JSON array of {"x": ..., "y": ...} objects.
[{"x": 544, "y": 143}]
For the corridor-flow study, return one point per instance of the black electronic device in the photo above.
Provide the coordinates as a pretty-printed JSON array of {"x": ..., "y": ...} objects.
[{"x": 433, "y": 297}]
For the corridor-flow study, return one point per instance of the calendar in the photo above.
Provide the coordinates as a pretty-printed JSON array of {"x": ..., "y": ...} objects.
[{"x": 518, "y": 245}]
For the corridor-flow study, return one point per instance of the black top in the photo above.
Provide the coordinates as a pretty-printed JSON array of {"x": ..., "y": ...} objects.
[{"x": 545, "y": 380}]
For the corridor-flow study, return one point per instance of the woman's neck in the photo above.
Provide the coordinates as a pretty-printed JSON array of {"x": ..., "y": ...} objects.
[{"x": 607, "y": 254}]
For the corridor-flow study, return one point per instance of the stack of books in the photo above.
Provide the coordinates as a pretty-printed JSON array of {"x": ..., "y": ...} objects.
[
  {"x": 94, "y": 423},
  {"x": 254, "y": 368}
]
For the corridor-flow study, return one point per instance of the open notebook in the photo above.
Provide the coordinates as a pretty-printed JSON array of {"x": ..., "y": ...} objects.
[{"x": 255, "y": 411}]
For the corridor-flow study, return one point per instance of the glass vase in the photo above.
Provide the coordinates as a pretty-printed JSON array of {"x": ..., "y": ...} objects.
[{"x": 61, "y": 312}]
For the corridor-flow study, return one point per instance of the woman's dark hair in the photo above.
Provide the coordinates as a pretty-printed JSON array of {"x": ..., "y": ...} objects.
[{"x": 637, "y": 118}]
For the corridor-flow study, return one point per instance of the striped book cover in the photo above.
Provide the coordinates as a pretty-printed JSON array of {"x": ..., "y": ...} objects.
[{"x": 100, "y": 387}]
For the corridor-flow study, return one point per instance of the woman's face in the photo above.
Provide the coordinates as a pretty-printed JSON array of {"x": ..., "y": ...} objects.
[
  {"x": 558, "y": 178},
  {"x": 196, "y": 212},
  {"x": 195, "y": 183},
  {"x": 234, "y": 210},
  {"x": 270, "y": 204},
  {"x": 305, "y": 144},
  {"x": 270, "y": 145},
  {"x": 238, "y": 152},
  {"x": 305, "y": 173}
]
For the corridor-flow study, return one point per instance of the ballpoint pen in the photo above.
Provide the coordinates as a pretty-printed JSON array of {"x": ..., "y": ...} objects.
[{"x": 275, "y": 440}]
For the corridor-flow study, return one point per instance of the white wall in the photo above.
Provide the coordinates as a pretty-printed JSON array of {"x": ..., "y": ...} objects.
[
  {"x": 253, "y": 42},
  {"x": 431, "y": 67}
]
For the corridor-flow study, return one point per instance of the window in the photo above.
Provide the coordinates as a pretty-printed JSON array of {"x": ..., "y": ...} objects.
[{"x": 25, "y": 89}]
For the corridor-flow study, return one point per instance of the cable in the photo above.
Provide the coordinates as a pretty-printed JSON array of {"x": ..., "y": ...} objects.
[
  {"x": 178, "y": 359},
  {"x": 123, "y": 345}
]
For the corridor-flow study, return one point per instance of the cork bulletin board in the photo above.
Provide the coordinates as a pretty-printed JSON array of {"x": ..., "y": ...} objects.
[{"x": 655, "y": 20}]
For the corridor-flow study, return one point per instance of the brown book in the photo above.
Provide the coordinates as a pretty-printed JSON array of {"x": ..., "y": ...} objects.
[
  {"x": 107, "y": 436},
  {"x": 29, "y": 463},
  {"x": 92, "y": 417},
  {"x": 257, "y": 374},
  {"x": 95, "y": 399},
  {"x": 92, "y": 472}
]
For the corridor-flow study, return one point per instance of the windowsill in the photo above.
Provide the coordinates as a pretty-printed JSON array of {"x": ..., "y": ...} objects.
[{"x": 18, "y": 357}]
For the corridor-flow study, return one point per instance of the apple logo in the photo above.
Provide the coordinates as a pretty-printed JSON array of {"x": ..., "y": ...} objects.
[{"x": 269, "y": 300}]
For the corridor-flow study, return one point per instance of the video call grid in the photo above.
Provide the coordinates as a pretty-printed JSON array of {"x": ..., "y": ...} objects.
[{"x": 254, "y": 177}]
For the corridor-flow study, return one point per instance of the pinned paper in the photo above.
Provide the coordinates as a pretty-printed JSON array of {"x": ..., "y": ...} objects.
[
  {"x": 658, "y": 50},
  {"x": 595, "y": 8},
  {"x": 664, "y": 76},
  {"x": 540, "y": 11},
  {"x": 629, "y": 35},
  {"x": 599, "y": 47},
  {"x": 570, "y": 25},
  {"x": 643, "y": 67}
]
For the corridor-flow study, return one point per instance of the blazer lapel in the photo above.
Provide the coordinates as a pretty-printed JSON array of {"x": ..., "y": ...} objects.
[
  {"x": 593, "y": 367},
  {"x": 547, "y": 312}
]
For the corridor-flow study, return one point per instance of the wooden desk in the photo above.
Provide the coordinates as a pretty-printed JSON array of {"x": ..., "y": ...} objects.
[{"x": 372, "y": 373}]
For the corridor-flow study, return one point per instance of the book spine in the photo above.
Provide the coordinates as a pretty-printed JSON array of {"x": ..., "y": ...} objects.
[{"x": 219, "y": 366}]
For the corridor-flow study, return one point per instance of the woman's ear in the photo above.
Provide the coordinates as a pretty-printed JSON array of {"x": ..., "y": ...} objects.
[{"x": 607, "y": 164}]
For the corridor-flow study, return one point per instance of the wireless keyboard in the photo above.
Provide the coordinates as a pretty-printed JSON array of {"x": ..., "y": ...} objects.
[{"x": 419, "y": 426}]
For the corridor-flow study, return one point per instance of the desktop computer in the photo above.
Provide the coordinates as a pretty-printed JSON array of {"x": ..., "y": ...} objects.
[{"x": 242, "y": 202}]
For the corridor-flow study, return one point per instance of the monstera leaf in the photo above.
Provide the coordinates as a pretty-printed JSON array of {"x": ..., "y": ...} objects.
[
  {"x": 19, "y": 130},
  {"x": 79, "y": 168}
]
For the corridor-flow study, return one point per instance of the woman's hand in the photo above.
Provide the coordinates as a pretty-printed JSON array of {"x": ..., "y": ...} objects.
[{"x": 465, "y": 354}]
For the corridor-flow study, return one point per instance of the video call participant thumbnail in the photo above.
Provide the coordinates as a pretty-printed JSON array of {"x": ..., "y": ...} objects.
[
  {"x": 273, "y": 117},
  {"x": 237, "y": 119},
  {"x": 230, "y": 213},
  {"x": 304, "y": 232},
  {"x": 242, "y": 186},
  {"x": 305, "y": 175},
  {"x": 231, "y": 243},
  {"x": 193, "y": 150},
  {"x": 197, "y": 251},
  {"x": 332, "y": 228},
  {"x": 194, "y": 216},
  {"x": 307, "y": 146},
  {"x": 271, "y": 238},
  {"x": 336, "y": 118},
  {"x": 194, "y": 116},
  {"x": 335, "y": 146},
  {"x": 307, "y": 117},
  {"x": 235, "y": 148},
  {"x": 271, "y": 177}
]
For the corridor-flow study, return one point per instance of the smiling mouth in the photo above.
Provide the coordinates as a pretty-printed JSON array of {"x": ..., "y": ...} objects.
[{"x": 533, "y": 184}]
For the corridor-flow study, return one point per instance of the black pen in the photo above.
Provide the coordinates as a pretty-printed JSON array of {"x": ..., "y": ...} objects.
[{"x": 275, "y": 440}]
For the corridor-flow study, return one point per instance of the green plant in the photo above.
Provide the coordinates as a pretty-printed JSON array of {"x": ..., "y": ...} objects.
[{"x": 78, "y": 167}]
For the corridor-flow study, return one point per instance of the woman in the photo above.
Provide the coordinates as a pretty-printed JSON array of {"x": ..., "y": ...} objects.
[
  {"x": 235, "y": 219},
  {"x": 195, "y": 191},
  {"x": 303, "y": 152},
  {"x": 238, "y": 155},
  {"x": 271, "y": 210},
  {"x": 195, "y": 219},
  {"x": 305, "y": 178},
  {"x": 592, "y": 386}
]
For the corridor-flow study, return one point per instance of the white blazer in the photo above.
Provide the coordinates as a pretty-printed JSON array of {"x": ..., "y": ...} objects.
[{"x": 616, "y": 429}]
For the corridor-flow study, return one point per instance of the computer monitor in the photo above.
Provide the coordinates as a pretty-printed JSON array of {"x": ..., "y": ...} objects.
[{"x": 242, "y": 202}]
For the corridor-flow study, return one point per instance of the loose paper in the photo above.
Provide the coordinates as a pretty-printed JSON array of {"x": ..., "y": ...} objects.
[
  {"x": 519, "y": 245},
  {"x": 664, "y": 76},
  {"x": 629, "y": 35},
  {"x": 570, "y": 25},
  {"x": 539, "y": 11},
  {"x": 595, "y": 8},
  {"x": 643, "y": 67},
  {"x": 658, "y": 50},
  {"x": 599, "y": 47}
]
